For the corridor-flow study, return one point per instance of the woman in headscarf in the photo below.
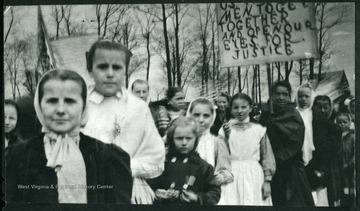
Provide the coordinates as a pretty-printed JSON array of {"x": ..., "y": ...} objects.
[
  {"x": 285, "y": 128},
  {"x": 63, "y": 165}
]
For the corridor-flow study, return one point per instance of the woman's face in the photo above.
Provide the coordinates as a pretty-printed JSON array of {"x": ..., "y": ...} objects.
[
  {"x": 343, "y": 122},
  {"x": 304, "y": 97},
  {"x": 177, "y": 102},
  {"x": 240, "y": 109},
  {"x": 11, "y": 117},
  {"x": 281, "y": 97},
  {"x": 184, "y": 139},
  {"x": 62, "y": 105},
  {"x": 203, "y": 116},
  {"x": 322, "y": 107}
]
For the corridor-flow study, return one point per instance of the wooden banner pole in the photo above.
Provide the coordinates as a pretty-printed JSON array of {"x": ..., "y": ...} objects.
[{"x": 270, "y": 85}]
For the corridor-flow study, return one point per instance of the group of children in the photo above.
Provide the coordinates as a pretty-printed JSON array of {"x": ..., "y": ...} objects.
[{"x": 230, "y": 165}]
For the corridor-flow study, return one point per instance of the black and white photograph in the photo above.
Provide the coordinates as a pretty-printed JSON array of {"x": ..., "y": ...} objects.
[{"x": 169, "y": 104}]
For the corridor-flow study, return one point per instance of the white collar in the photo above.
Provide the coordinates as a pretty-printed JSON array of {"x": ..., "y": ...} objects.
[{"x": 97, "y": 97}]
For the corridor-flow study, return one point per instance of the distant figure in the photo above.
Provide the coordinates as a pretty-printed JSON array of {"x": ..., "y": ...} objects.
[
  {"x": 11, "y": 119},
  {"x": 255, "y": 113},
  {"x": 347, "y": 160},
  {"x": 223, "y": 113},
  {"x": 174, "y": 107},
  {"x": 140, "y": 88},
  {"x": 350, "y": 108}
]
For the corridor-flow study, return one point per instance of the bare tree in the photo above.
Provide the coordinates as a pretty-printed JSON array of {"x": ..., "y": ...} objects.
[
  {"x": 13, "y": 63},
  {"x": 117, "y": 29},
  {"x": 128, "y": 38},
  {"x": 146, "y": 30},
  {"x": 58, "y": 17},
  {"x": 167, "y": 49},
  {"x": 10, "y": 24},
  {"x": 328, "y": 15},
  {"x": 204, "y": 21},
  {"x": 66, "y": 11},
  {"x": 103, "y": 16},
  {"x": 165, "y": 14},
  {"x": 288, "y": 68}
]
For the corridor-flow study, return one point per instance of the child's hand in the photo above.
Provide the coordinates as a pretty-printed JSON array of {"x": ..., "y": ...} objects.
[
  {"x": 266, "y": 189},
  {"x": 227, "y": 129},
  {"x": 188, "y": 196},
  {"x": 219, "y": 178},
  {"x": 173, "y": 194},
  {"x": 167, "y": 194}
]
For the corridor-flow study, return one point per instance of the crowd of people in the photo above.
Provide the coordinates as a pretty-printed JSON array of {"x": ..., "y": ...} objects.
[{"x": 105, "y": 144}]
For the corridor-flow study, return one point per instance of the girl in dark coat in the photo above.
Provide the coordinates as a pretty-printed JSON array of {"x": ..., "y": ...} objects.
[
  {"x": 187, "y": 178},
  {"x": 62, "y": 165},
  {"x": 285, "y": 128}
]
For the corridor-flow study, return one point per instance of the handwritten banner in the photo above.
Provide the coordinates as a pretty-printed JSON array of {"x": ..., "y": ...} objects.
[{"x": 256, "y": 33}]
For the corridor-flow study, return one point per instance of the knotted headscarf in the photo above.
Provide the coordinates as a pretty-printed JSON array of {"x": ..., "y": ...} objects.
[{"x": 62, "y": 150}]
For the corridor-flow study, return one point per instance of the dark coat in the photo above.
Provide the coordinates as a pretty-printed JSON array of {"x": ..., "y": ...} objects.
[
  {"x": 289, "y": 186},
  {"x": 106, "y": 164},
  {"x": 205, "y": 187},
  {"x": 28, "y": 124},
  {"x": 219, "y": 120},
  {"x": 13, "y": 140},
  {"x": 326, "y": 157}
]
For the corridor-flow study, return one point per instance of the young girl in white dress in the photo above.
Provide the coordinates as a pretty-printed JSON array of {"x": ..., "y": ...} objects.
[
  {"x": 210, "y": 148},
  {"x": 251, "y": 156}
]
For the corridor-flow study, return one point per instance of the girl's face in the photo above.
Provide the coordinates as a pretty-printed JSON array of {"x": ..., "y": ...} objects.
[
  {"x": 344, "y": 123},
  {"x": 222, "y": 102},
  {"x": 177, "y": 101},
  {"x": 203, "y": 116},
  {"x": 304, "y": 97},
  {"x": 62, "y": 106},
  {"x": 184, "y": 139},
  {"x": 108, "y": 71},
  {"x": 11, "y": 117},
  {"x": 281, "y": 97},
  {"x": 240, "y": 109},
  {"x": 323, "y": 108}
]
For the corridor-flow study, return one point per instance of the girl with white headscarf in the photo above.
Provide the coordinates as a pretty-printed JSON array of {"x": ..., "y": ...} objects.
[
  {"x": 304, "y": 99},
  {"x": 210, "y": 148},
  {"x": 62, "y": 165}
]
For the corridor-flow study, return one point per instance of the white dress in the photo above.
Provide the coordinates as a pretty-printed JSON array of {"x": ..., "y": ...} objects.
[{"x": 249, "y": 146}]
